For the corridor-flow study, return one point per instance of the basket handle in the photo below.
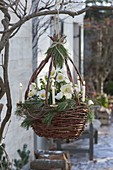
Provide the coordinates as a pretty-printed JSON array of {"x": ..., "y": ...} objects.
[
  {"x": 41, "y": 66},
  {"x": 76, "y": 70},
  {"x": 36, "y": 73},
  {"x": 71, "y": 80}
]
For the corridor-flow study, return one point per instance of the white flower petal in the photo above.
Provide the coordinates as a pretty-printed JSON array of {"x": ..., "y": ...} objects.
[
  {"x": 58, "y": 70},
  {"x": 42, "y": 94},
  {"x": 59, "y": 95},
  {"x": 68, "y": 95},
  {"x": 67, "y": 80},
  {"x": 67, "y": 88},
  {"x": 60, "y": 77},
  {"x": 90, "y": 102},
  {"x": 32, "y": 93},
  {"x": 32, "y": 86}
]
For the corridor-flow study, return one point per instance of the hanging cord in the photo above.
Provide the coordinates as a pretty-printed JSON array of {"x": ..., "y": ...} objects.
[
  {"x": 57, "y": 20},
  {"x": 58, "y": 6},
  {"x": 55, "y": 24}
]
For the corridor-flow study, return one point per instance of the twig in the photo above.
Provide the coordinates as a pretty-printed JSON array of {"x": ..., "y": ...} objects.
[
  {"x": 7, "y": 129},
  {"x": 7, "y": 157}
]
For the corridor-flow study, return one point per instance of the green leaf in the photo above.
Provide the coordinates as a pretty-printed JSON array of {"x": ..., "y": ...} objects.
[
  {"x": 33, "y": 104},
  {"x": 48, "y": 118},
  {"x": 26, "y": 123},
  {"x": 24, "y": 157},
  {"x": 60, "y": 54},
  {"x": 102, "y": 101},
  {"x": 71, "y": 104},
  {"x": 62, "y": 106}
]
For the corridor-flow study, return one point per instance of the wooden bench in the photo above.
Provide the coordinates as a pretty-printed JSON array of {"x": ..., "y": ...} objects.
[
  {"x": 91, "y": 132},
  {"x": 44, "y": 164},
  {"x": 51, "y": 160}
]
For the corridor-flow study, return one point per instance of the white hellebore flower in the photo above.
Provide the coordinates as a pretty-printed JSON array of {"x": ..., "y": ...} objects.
[
  {"x": 32, "y": 93},
  {"x": 59, "y": 95},
  {"x": 42, "y": 94},
  {"x": 67, "y": 80},
  {"x": 60, "y": 77},
  {"x": 90, "y": 102},
  {"x": 32, "y": 86},
  {"x": 68, "y": 95},
  {"x": 67, "y": 90}
]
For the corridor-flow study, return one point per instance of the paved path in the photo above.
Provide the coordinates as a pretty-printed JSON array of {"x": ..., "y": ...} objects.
[{"x": 103, "y": 152}]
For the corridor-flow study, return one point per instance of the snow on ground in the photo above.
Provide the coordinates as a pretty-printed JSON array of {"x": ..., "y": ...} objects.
[{"x": 103, "y": 152}]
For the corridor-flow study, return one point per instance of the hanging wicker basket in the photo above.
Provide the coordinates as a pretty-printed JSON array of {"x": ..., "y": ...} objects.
[
  {"x": 67, "y": 125},
  {"x": 47, "y": 120}
]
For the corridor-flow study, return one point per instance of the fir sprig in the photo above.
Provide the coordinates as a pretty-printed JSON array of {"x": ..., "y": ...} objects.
[
  {"x": 60, "y": 54},
  {"x": 50, "y": 113}
]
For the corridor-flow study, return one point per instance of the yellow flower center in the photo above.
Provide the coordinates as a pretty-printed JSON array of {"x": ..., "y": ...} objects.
[
  {"x": 43, "y": 95},
  {"x": 67, "y": 90},
  {"x": 60, "y": 77}
]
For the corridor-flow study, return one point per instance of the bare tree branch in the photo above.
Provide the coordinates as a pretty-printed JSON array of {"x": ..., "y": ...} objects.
[
  {"x": 44, "y": 12},
  {"x": 52, "y": 12},
  {"x": 5, "y": 23},
  {"x": 2, "y": 88}
]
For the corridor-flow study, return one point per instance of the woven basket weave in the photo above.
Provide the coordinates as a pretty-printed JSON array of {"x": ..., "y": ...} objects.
[{"x": 65, "y": 124}]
